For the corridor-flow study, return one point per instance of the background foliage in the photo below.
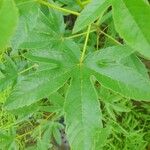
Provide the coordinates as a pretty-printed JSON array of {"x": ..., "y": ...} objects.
[{"x": 74, "y": 74}]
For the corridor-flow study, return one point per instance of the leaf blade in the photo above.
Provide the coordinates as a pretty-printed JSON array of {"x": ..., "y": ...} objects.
[
  {"x": 133, "y": 28},
  {"x": 82, "y": 112},
  {"x": 35, "y": 87},
  {"x": 123, "y": 80},
  {"x": 90, "y": 13}
]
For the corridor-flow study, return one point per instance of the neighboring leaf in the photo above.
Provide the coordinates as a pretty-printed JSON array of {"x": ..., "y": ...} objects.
[
  {"x": 82, "y": 111},
  {"x": 57, "y": 134},
  {"x": 7, "y": 139},
  {"x": 101, "y": 137},
  {"x": 25, "y": 112},
  {"x": 28, "y": 14},
  {"x": 120, "y": 108},
  {"x": 90, "y": 13},
  {"x": 133, "y": 27},
  {"x": 47, "y": 31},
  {"x": 43, "y": 142},
  {"x": 56, "y": 103},
  {"x": 8, "y": 21}
]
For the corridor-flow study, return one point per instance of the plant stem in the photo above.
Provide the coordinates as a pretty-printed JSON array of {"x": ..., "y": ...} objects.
[
  {"x": 86, "y": 2},
  {"x": 80, "y": 3},
  {"x": 78, "y": 35},
  {"x": 85, "y": 44},
  {"x": 110, "y": 37},
  {"x": 77, "y": 14},
  {"x": 58, "y": 8},
  {"x": 97, "y": 41}
]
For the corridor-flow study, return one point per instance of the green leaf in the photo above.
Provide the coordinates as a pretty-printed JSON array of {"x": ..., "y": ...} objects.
[
  {"x": 43, "y": 142},
  {"x": 28, "y": 14},
  {"x": 57, "y": 134},
  {"x": 57, "y": 101},
  {"x": 90, "y": 13},
  {"x": 8, "y": 21},
  {"x": 82, "y": 111},
  {"x": 101, "y": 137},
  {"x": 119, "y": 78},
  {"x": 123, "y": 80},
  {"x": 46, "y": 31},
  {"x": 36, "y": 86},
  {"x": 111, "y": 54},
  {"x": 133, "y": 27},
  {"x": 45, "y": 81},
  {"x": 59, "y": 58}
]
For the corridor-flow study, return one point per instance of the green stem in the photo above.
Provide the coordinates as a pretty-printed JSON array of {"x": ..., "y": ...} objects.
[
  {"x": 110, "y": 37},
  {"x": 80, "y": 3},
  {"x": 86, "y": 2},
  {"x": 97, "y": 41},
  {"x": 85, "y": 44},
  {"x": 58, "y": 8},
  {"x": 78, "y": 35}
]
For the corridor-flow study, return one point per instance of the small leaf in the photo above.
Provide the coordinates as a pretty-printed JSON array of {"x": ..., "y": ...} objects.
[
  {"x": 46, "y": 31},
  {"x": 90, "y": 13},
  {"x": 120, "y": 108},
  {"x": 101, "y": 137},
  {"x": 57, "y": 135}
]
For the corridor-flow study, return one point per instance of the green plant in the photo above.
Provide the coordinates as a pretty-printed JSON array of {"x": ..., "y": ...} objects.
[{"x": 91, "y": 74}]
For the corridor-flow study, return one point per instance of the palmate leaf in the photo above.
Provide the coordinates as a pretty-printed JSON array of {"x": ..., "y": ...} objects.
[
  {"x": 8, "y": 21},
  {"x": 132, "y": 25},
  {"x": 90, "y": 13},
  {"x": 81, "y": 108},
  {"x": 44, "y": 30}
]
